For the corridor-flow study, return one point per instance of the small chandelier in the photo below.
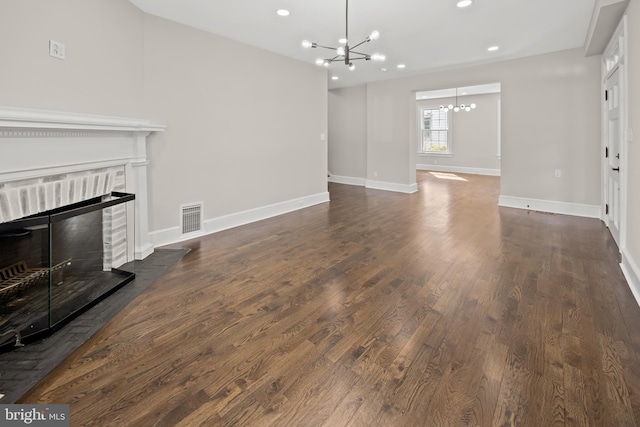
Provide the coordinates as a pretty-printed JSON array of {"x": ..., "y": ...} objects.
[
  {"x": 346, "y": 53},
  {"x": 456, "y": 108}
]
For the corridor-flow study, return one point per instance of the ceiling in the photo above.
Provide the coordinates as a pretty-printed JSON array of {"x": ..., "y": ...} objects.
[{"x": 425, "y": 35}]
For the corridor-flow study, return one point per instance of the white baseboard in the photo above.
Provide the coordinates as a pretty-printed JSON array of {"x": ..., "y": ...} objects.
[
  {"x": 459, "y": 169},
  {"x": 576, "y": 209},
  {"x": 142, "y": 252},
  {"x": 349, "y": 180},
  {"x": 375, "y": 185},
  {"x": 632, "y": 274},
  {"x": 392, "y": 186},
  {"x": 213, "y": 225}
]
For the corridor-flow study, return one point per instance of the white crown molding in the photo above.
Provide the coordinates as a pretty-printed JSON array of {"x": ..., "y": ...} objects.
[
  {"x": 43, "y": 123},
  {"x": 552, "y": 206},
  {"x": 604, "y": 21}
]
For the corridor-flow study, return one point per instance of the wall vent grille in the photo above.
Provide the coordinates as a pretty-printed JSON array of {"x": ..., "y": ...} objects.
[{"x": 191, "y": 218}]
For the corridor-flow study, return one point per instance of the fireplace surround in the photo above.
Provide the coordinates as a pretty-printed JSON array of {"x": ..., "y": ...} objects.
[{"x": 54, "y": 162}]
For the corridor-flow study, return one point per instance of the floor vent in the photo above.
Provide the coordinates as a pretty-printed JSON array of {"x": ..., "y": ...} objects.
[{"x": 191, "y": 218}]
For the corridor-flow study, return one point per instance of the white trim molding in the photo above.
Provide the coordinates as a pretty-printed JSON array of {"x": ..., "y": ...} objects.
[
  {"x": 551, "y": 206},
  {"x": 392, "y": 186},
  {"x": 214, "y": 225},
  {"x": 349, "y": 180},
  {"x": 459, "y": 169},
  {"x": 631, "y": 272}
]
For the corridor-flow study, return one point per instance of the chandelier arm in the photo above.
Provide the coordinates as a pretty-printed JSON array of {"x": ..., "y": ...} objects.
[
  {"x": 364, "y": 57},
  {"x": 326, "y": 47},
  {"x": 361, "y": 43},
  {"x": 358, "y": 53}
]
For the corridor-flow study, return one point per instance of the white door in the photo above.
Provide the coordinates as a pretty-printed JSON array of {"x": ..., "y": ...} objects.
[{"x": 613, "y": 135}]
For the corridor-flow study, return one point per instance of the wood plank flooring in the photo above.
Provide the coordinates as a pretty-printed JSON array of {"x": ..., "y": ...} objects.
[{"x": 379, "y": 309}]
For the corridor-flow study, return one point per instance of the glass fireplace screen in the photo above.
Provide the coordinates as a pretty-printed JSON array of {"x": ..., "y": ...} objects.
[{"x": 56, "y": 264}]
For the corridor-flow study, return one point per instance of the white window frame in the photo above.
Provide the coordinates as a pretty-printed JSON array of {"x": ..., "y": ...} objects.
[{"x": 449, "y": 130}]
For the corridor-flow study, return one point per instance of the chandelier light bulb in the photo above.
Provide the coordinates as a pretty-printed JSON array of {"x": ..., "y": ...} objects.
[
  {"x": 306, "y": 44},
  {"x": 375, "y": 35},
  {"x": 352, "y": 67},
  {"x": 456, "y": 108},
  {"x": 378, "y": 57},
  {"x": 340, "y": 51},
  {"x": 319, "y": 61},
  {"x": 342, "y": 41}
]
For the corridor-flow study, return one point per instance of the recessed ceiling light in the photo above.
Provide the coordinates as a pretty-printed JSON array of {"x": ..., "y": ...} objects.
[
  {"x": 493, "y": 48},
  {"x": 384, "y": 70},
  {"x": 401, "y": 66},
  {"x": 282, "y": 12},
  {"x": 464, "y": 3},
  {"x": 335, "y": 78}
]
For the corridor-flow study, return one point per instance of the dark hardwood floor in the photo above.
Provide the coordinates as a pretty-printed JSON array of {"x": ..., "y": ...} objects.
[{"x": 432, "y": 309}]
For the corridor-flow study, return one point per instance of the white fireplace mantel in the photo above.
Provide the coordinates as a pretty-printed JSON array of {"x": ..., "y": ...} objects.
[
  {"x": 38, "y": 143},
  {"x": 22, "y": 118}
]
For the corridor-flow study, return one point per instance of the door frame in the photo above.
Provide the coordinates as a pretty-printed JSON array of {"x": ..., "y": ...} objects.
[{"x": 614, "y": 57}]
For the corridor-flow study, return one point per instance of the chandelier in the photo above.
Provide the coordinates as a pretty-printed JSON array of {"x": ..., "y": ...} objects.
[
  {"x": 456, "y": 108},
  {"x": 346, "y": 53}
]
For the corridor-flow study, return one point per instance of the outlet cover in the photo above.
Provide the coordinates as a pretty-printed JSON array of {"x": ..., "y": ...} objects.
[{"x": 57, "y": 49}]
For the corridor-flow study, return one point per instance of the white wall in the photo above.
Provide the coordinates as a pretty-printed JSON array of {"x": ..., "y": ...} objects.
[
  {"x": 348, "y": 133},
  {"x": 102, "y": 73},
  {"x": 631, "y": 255},
  {"x": 243, "y": 124},
  {"x": 550, "y": 120},
  {"x": 474, "y": 136}
]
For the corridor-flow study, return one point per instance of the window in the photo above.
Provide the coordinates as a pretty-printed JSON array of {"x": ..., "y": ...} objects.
[{"x": 434, "y": 131}]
